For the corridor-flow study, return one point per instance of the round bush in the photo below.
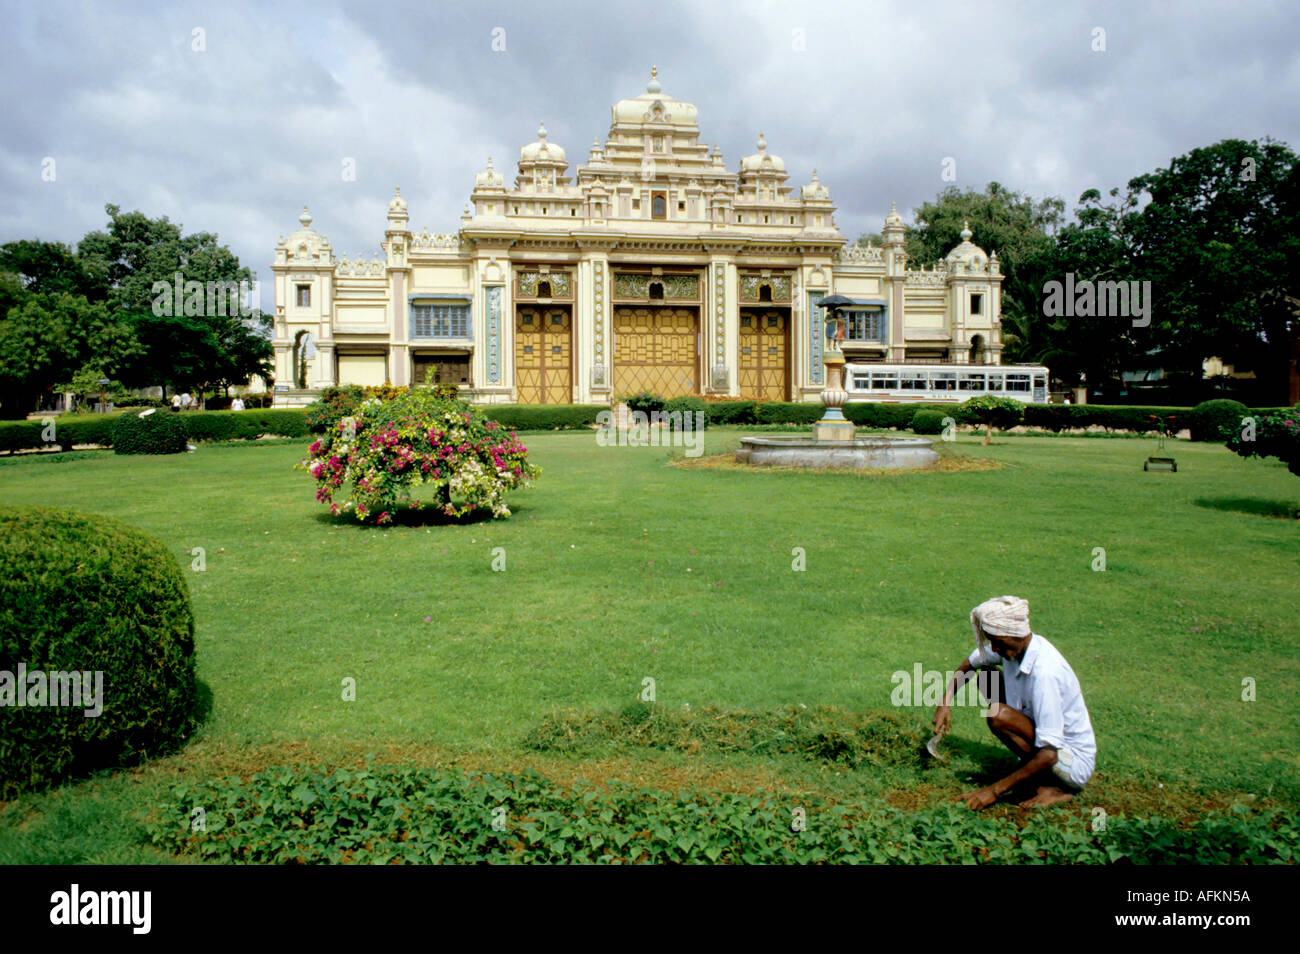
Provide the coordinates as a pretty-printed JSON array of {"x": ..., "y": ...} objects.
[
  {"x": 929, "y": 421},
  {"x": 1217, "y": 420},
  {"x": 156, "y": 433},
  {"x": 85, "y": 594}
]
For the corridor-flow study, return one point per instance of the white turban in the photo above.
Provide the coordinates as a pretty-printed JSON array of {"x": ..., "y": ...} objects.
[{"x": 1000, "y": 616}]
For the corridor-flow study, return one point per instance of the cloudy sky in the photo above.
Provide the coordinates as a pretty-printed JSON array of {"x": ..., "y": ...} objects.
[{"x": 229, "y": 117}]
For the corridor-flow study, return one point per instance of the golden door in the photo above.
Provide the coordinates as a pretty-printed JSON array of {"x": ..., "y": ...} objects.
[
  {"x": 655, "y": 350},
  {"x": 764, "y": 355},
  {"x": 544, "y": 356}
]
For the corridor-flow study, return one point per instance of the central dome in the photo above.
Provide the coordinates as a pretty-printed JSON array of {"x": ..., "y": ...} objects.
[{"x": 654, "y": 107}]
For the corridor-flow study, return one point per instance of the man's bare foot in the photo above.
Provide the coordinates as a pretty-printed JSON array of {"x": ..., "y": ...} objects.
[{"x": 1047, "y": 795}]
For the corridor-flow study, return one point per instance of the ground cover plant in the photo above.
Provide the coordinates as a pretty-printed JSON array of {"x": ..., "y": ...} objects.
[{"x": 619, "y": 568}]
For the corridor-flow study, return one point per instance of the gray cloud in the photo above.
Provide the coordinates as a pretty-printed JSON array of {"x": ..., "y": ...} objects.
[{"x": 236, "y": 138}]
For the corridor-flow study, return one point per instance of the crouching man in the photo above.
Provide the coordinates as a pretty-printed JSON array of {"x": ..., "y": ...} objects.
[{"x": 1034, "y": 706}]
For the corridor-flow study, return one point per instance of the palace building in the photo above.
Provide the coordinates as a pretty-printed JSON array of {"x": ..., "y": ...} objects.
[{"x": 650, "y": 266}]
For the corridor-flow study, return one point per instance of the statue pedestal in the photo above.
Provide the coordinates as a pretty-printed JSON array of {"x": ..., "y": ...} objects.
[
  {"x": 834, "y": 426},
  {"x": 833, "y": 430}
]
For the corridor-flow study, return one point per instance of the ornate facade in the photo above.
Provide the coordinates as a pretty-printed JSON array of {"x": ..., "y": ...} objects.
[{"x": 650, "y": 267}]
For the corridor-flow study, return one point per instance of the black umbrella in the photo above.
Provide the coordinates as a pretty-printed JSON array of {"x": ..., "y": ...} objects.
[{"x": 832, "y": 302}]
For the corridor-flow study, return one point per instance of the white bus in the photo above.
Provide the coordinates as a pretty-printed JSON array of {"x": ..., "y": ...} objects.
[{"x": 945, "y": 383}]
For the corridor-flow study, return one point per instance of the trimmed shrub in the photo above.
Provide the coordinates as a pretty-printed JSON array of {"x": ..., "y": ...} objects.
[
  {"x": 993, "y": 411},
  {"x": 244, "y": 425},
  {"x": 731, "y": 412},
  {"x": 88, "y": 429},
  {"x": 82, "y": 593},
  {"x": 930, "y": 421},
  {"x": 21, "y": 435},
  {"x": 644, "y": 401},
  {"x": 782, "y": 412},
  {"x": 156, "y": 433},
  {"x": 543, "y": 417},
  {"x": 687, "y": 407},
  {"x": 1217, "y": 420}
]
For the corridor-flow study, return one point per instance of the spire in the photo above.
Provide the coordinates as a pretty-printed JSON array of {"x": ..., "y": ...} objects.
[
  {"x": 966, "y": 233},
  {"x": 541, "y": 131},
  {"x": 305, "y": 218},
  {"x": 762, "y": 143},
  {"x": 653, "y": 86}
]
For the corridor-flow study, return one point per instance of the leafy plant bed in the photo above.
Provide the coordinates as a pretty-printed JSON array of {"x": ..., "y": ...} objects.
[{"x": 403, "y": 815}]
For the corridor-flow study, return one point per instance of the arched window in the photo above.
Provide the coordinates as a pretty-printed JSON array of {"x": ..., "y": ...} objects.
[
  {"x": 657, "y": 290},
  {"x": 765, "y": 292},
  {"x": 303, "y": 349},
  {"x": 978, "y": 354},
  {"x": 543, "y": 289},
  {"x": 658, "y": 207}
]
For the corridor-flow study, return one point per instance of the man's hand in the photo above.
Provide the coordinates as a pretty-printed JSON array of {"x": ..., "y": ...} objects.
[
  {"x": 942, "y": 720},
  {"x": 980, "y": 799}
]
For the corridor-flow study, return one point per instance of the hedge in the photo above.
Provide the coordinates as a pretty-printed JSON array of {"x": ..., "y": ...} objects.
[
  {"x": 543, "y": 417},
  {"x": 1113, "y": 417},
  {"x": 929, "y": 420},
  {"x": 292, "y": 422},
  {"x": 149, "y": 433},
  {"x": 87, "y": 594},
  {"x": 244, "y": 425},
  {"x": 787, "y": 412}
]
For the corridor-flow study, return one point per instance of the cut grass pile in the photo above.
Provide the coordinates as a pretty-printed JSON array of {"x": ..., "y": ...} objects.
[{"x": 819, "y": 733}]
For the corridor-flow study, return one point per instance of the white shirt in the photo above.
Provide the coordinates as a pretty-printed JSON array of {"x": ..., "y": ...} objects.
[
  {"x": 1044, "y": 687},
  {"x": 236, "y": 405}
]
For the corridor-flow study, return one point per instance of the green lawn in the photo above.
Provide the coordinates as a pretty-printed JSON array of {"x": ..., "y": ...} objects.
[{"x": 620, "y": 567}]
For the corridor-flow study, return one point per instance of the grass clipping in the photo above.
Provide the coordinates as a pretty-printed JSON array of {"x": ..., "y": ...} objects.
[{"x": 821, "y": 733}]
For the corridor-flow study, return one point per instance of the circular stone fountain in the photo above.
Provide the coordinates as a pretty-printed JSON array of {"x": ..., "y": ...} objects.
[
  {"x": 863, "y": 453},
  {"x": 833, "y": 444}
]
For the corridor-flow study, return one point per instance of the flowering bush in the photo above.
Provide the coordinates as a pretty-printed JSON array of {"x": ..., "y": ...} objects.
[
  {"x": 389, "y": 447},
  {"x": 1276, "y": 434}
]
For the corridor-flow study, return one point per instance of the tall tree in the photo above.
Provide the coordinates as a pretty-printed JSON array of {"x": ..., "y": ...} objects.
[
  {"x": 1218, "y": 237},
  {"x": 1016, "y": 226},
  {"x": 191, "y": 347}
]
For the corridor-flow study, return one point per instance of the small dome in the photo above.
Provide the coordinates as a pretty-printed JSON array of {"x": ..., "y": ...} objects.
[
  {"x": 489, "y": 178},
  {"x": 893, "y": 218},
  {"x": 306, "y": 244},
  {"x": 397, "y": 203},
  {"x": 761, "y": 161},
  {"x": 966, "y": 253},
  {"x": 815, "y": 191},
  {"x": 541, "y": 151}
]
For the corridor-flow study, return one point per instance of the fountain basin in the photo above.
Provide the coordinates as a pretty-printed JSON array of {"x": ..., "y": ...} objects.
[{"x": 865, "y": 453}]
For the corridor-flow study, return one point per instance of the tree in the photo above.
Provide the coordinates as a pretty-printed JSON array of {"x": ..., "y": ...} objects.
[
  {"x": 993, "y": 411},
  {"x": 1016, "y": 226},
  {"x": 210, "y": 341},
  {"x": 1218, "y": 238},
  {"x": 48, "y": 328}
]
